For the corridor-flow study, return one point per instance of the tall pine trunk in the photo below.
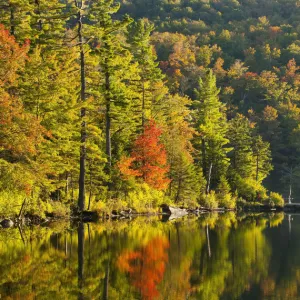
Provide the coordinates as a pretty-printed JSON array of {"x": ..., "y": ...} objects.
[{"x": 82, "y": 171}]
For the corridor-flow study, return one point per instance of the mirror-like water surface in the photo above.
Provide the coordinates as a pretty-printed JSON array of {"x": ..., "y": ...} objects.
[{"x": 217, "y": 256}]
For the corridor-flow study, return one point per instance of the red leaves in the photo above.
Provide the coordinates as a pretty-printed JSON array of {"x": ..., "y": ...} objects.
[
  {"x": 148, "y": 159},
  {"x": 12, "y": 56},
  {"x": 20, "y": 131}
]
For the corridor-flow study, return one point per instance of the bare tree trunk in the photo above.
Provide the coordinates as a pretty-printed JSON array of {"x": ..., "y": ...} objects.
[
  {"x": 291, "y": 180},
  {"x": 204, "y": 159},
  {"x": 209, "y": 179}
]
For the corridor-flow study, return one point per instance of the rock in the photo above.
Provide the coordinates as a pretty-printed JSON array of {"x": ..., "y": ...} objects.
[
  {"x": 7, "y": 223},
  {"x": 174, "y": 211}
]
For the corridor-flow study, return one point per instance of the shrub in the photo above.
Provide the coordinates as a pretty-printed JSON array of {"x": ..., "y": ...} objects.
[
  {"x": 144, "y": 198},
  {"x": 226, "y": 200},
  {"x": 224, "y": 196},
  {"x": 209, "y": 201},
  {"x": 251, "y": 190},
  {"x": 276, "y": 199}
]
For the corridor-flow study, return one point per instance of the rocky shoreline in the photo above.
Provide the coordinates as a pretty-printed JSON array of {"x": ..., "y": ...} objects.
[{"x": 171, "y": 212}]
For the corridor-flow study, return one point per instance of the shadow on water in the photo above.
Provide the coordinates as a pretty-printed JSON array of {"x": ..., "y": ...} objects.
[{"x": 214, "y": 256}]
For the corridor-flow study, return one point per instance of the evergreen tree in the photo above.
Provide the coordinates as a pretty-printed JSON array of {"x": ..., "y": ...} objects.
[
  {"x": 138, "y": 39},
  {"x": 117, "y": 71},
  {"x": 211, "y": 126},
  {"x": 16, "y": 17},
  {"x": 48, "y": 91},
  {"x": 240, "y": 136},
  {"x": 80, "y": 6},
  {"x": 262, "y": 158}
]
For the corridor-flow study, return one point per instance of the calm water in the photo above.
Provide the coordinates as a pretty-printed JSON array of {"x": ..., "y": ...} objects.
[{"x": 212, "y": 257}]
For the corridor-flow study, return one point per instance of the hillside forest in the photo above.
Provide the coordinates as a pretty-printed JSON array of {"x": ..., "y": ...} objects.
[{"x": 106, "y": 105}]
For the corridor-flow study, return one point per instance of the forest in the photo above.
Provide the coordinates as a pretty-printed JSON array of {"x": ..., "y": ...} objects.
[{"x": 131, "y": 104}]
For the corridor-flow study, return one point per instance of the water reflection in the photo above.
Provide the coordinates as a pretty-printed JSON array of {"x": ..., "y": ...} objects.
[{"x": 216, "y": 256}]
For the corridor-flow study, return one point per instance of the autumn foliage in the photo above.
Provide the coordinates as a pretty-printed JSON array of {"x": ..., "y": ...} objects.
[
  {"x": 20, "y": 132},
  {"x": 12, "y": 56},
  {"x": 148, "y": 159},
  {"x": 146, "y": 266}
]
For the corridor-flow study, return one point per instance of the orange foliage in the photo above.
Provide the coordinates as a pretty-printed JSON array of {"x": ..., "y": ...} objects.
[
  {"x": 270, "y": 113},
  {"x": 20, "y": 132},
  {"x": 148, "y": 159},
  {"x": 146, "y": 266},
  {"x": 12, "y": 56},
  {"x": 292, "y": 73}
]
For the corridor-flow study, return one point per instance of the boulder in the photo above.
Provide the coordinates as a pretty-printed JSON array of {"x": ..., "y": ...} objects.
[
  {"x": 7, "y": 223},
  {"x": 174, "y": 211}
]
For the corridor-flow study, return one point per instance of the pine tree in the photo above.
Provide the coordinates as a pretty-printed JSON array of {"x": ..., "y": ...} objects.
[
  {"x": 80, "y": 6},
  {"x": 262, "y": 158},
  {"x": 211, "y": 126},
  {"x": 47, "y": 89},
  {"x": 138, "y": 39},
  {"x": 240, "y": 135},
  {"x": 117, "y": 71},
  {"x": 16, "y": 17}
]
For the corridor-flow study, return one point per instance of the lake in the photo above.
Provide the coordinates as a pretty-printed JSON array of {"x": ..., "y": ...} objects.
[{"x": 214, "y": 256}]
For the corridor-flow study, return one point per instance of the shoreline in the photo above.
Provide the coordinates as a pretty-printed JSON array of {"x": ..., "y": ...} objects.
[{"x": 170, "y": 212}]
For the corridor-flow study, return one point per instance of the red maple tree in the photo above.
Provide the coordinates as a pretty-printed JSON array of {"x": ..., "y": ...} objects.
[
  {"x": 148, "y": 159},
  {"x": 20, "y": 131}
]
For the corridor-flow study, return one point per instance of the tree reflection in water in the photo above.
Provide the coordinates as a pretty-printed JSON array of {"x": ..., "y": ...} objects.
[{"x": 216, "y": 256}]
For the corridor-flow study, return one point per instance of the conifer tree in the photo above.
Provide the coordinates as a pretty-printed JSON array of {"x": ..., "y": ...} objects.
[
  {"x": 80, "y": 5},
  {"x": 16, "y": 17},
  {"x": 48, "y": 87},
  {"x": 262, "y": 158},
  {"x": 240, "y": 136},
  {"x": 117, "y": 71},
  {"x": 138, "y": 39},
  {"x": 211, "y": 125}
]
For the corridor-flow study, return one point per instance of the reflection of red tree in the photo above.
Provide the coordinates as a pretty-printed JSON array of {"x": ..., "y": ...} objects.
[{"x": 146, "y": 266}]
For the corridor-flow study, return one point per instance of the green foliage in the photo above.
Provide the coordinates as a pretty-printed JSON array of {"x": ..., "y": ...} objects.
[
  {"x": 276, "y": 199},
  {"x": 209, "y": 200},
  {"x": 211, "y": 125},
  {"x": 144, "y": 198},
  {"x": 220, "y": 79},
  {"x": 225, "y": 197},
  {"x": 250, "y": 189}
]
